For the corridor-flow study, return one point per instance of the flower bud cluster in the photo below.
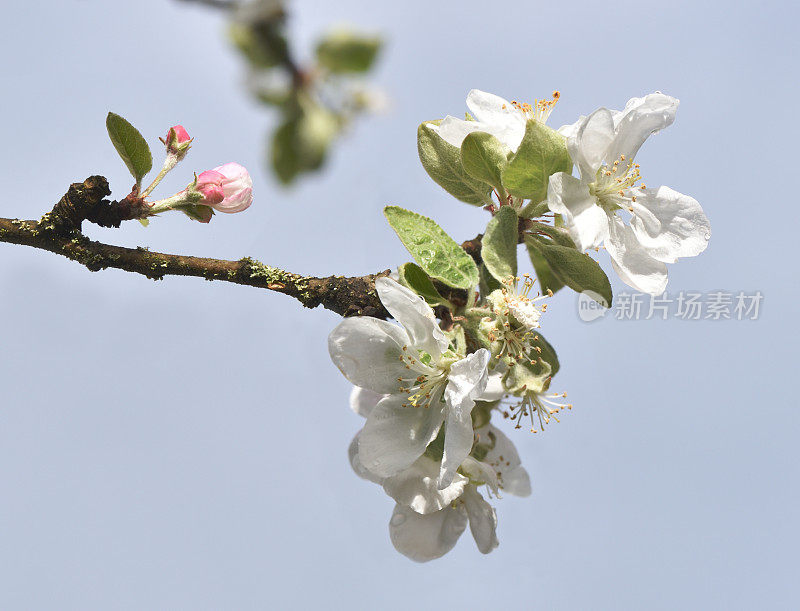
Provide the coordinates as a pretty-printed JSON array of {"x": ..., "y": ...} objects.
[{"x": 227, "y": 188}]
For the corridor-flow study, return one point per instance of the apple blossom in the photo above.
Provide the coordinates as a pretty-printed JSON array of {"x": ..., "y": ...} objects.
[
  {"x": 227, "y": 188},
  {"x": 664, "y": 224},
  {"x": 515, "y": 316},
  {"x": 427, "y": 521},
  {"x": 426, "y": 383},
  {"x": 496, "y": 116}
]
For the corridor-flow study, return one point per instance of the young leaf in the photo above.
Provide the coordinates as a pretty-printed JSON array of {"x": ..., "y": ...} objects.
[
  {"x": 484, "y": 157},
  {"x": 548, "y": 281},
  {"x": 415, "y": 278},
  {"x": 532, "y": 209},
  {"x": 577, "y": 270},
  {"x": 130, "y": 145},
  {"x": 343, "y": 51},
  {"x": 543, "y": 152},
  {"x": 197, "y": 212},
  {"x": 559, "y": 235},
  {"x": 442, "y": 162},
  {"x": 437, "y": 253},
  {"x": 499, "y": 244}
]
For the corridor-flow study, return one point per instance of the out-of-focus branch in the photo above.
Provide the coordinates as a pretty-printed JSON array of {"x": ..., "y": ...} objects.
[
  {"x": 270, "y": 37},
  {"x": 223, "y": 4}
]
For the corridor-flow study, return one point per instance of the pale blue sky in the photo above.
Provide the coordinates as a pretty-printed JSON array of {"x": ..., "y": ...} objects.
[{"x": 182, "y": 445}]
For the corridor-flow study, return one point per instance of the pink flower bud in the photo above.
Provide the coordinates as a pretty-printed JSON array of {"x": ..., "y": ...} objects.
[
  {"x": 178, "y": 141},
  {"x": 227, "y": 188}
]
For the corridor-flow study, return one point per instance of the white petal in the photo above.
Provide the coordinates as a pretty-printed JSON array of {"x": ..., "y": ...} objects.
[
  {"x": 480, "y": 473},
  {"x": 570, "y": 131},
  {"x": 358, "y": 466},
  {"x": 504, "y": 460},
  {"x": 517, "y": 482},
  {"x": 426, "y": 537},
  {"x": 395, "y": 436},
  {"x": 482, "y": 520},
  {"x": 631, "y": 261},
  {"x": 367, "y": 351},
  {"x": 589, "y": 146},
  {"x": 669, "y": 224},
  {"x": 453, "y": 130},
  {"x": 416, "y": 316},
  {"x": 467, "y": 381},
  {"x": 503, "y": 454},
  {"x": 587, "y": 222},
  {"x": 494, "y": 390},
  {"x": 363, "y": 401},
  {"x": 490, "y": 108},
  {"x": 504, "y": 121},
  {"x": 640, "y": 118},
  {"x": 416, "y": 487}
]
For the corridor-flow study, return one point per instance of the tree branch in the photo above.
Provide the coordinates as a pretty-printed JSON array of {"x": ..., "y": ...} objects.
[{"x": 59, "y": 232}]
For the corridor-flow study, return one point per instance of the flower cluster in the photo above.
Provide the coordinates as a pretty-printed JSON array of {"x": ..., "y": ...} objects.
[
  {"x": 662, "y": 224},
  {"x": 427, "y": 439},
  {"x": 428, "y": 389}
]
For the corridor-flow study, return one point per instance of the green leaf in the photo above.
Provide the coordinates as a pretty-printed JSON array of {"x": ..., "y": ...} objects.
[
  {"x": 543, "y": 152},
  {"x": 488, "y": 282},
  {"x": 442, "y": 162},
  {"x": 197, "y": 212},
  {"x": 499, "y": 244},
  {"x": 484, "y": 157},
  {"x": 559, "y": 235},
  {"x": 130, "y": 145},
  {"x": 343, "y": 51},
  {"x": 577, "y": 270},
  {"x": 548, "y": 281},
  {"x": 533, "y": 209},
  {"x": 548, "y": 353},
  {"x": 415, "y": 278},
  {"x": 437, "y": 253}
]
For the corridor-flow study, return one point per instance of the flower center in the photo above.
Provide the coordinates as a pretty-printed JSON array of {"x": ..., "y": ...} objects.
[
  {"x": 615, "y": 186},
  {"x": 522, "y": 307},
  {"x": 427, "y": 388},
  {"x": 537, "y": 406},
  {"x": 517, "y": 315},
  {"x": 539, "y": 111}
]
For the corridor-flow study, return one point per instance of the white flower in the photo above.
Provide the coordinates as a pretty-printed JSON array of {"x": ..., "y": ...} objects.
[
  {"x": 427, "y": 521},
  {"x": 424, "y": 537},
  {"x": 496, "y": 116},
  {"x": 426, "y": 384},
  {"x": 664, "y": 224}
]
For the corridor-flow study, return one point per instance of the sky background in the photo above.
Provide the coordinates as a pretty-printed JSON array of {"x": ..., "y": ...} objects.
[{"x": 182, "y": 444}]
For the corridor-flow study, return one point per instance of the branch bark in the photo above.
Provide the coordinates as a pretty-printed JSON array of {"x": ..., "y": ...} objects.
[{"x": 59, "y": 232}]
